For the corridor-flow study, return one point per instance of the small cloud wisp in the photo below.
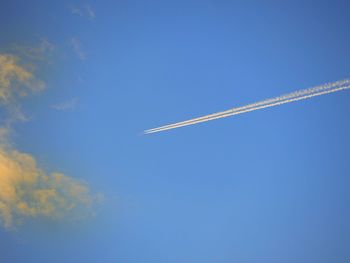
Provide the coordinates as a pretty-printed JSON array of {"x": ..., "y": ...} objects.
[
  {"x": 76, "y": 45},
  {"x": 66, "y": 105},
  {"x": 83, "y": 11}
]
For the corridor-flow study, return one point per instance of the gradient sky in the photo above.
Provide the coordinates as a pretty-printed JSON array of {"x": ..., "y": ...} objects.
[{"x": 267, "y": 186}]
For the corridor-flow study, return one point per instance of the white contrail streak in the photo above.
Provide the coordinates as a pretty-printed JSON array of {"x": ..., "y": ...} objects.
[
  {"x": 264, "y": 102},
  {"x": 295, "y": 96}
]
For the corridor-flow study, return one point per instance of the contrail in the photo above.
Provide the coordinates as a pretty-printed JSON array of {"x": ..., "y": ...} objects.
[
  {"x": 264, "y": 102},
  {"x": 295, "y": 96}
]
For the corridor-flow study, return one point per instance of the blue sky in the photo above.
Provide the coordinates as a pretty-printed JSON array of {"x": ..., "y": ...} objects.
[{"x": 267, "y": 186}]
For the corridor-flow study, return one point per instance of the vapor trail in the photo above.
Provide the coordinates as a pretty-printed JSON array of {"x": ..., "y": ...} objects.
[
  {"x": 264, "y": 102},
  {"x": 295, "y": 96}
]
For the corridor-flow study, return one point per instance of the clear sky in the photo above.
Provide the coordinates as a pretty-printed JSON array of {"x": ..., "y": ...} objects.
[{"x": 267, "y": 186}]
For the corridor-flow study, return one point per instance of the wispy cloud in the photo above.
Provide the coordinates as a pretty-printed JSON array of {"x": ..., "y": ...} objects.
[
  {"x": 66, "y": 105},
  {"x": 16, "y": 81},
  {"x": 76, "y": 11},
  {"x": 76, "y": 45},
  {"x": 83, "y": 11},
  {"x": 26, "y": 190},
  {"x": 40, "y": 53},
  {"x": 90, "y": 12}
]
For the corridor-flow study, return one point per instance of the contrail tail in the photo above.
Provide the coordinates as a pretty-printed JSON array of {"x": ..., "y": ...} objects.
[{"x": 291, "y": 97}]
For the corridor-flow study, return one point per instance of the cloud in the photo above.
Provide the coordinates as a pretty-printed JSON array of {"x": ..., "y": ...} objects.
[
  {"x": 16, "y": 82},
  {"x": 67, "y": 105},
  {"x": 76, "y": 11},
  {"x": 26, "y": 190},
  {"x": 90, "y": 12},
  {"x": 4, "y": 136},
  {"x": 83, "y": 11},
  {"x": 39, "y": 53},
  {"x": 76, "y": 45}
]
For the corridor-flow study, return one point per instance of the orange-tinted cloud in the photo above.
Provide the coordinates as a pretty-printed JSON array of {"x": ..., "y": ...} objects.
[
  {"x": 26, "y": 190},
  {"x": 16, "y": 80}
]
